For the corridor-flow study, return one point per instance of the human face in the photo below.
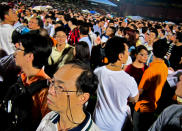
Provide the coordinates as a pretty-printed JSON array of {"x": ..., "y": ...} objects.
[
  {"x": 19, "y": 55},
  {"x": 142, "y": 56},
  {"x": 27, "y": 12},
  {"x": 152, "y": 36},
  {"x": 11, "y": 17},
  {"x": 109, "y": 31},
  {"x": 125, "y": 54},
  {"x": 64, "y": 89},
  {"x": 33, "y": 24},
  {"x": 137, "y": 36},
  {"x": 61, "y": 38}
]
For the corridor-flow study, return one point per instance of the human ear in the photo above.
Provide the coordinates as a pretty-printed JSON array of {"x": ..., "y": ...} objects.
[
  {"x": 84, "y": 98},
  {"x": 120, "y": 56},
  {"x": 30, "y": 56}
]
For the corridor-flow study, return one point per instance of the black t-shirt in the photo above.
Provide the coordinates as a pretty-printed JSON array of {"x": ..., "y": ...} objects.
[{"x": 175, "y": 57}]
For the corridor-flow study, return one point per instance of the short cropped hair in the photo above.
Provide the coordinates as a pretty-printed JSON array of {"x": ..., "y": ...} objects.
[
  {"x": 40, "y": 22},
  {"x": 139, "y": 48},
  {"x": 38, "y": 45},
  {"x": 73, "y": 21},
  {"x": 87, "y": 82},
  {"x": 60, "y": 28},
  {"x": 4, "y": 9},
  {"x": 160, "y": 48},
  {"x": 114, "y": 47},
  {"x": 84, "y": 29}
]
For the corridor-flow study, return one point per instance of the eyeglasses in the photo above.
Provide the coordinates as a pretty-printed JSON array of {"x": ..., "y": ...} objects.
[
  {"x": 58, "y": 88},
  {"x": 143, "y": 54},
  {"x": 19, "y": 49},
  {"x": 61, "y": 36}
]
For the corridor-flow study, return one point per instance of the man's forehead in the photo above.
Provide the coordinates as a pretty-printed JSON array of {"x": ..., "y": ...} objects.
[{"x": 68, "y": 72}]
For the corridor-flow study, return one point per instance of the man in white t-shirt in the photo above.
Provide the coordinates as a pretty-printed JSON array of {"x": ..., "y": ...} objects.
[
  {"x": 115, "y": 88},
  {"x": 8, "y": 18}
]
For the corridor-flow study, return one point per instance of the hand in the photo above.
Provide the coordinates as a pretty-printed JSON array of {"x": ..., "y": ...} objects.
[
  {"x": 178, "y": 91},
  {"x": 170, "y": 68}
]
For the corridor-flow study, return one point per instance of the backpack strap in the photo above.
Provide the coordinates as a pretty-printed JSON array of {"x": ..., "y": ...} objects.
[{"x": 65, "y": 51}]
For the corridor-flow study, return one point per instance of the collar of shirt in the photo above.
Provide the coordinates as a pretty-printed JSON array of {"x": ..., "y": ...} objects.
[
  {"x": 156, "y": 61},
  {"x": 41, "y": 74},
  {"x": 87, "y": 119}
]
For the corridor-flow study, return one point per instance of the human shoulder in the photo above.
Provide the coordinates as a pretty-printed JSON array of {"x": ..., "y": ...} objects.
[
  {"x": 174, "y": 108},
  {"x": 128, "y": 68},
  {"x": 47, "y": 122},
  {"x": 169, "y": 119},
  {"x": 98, "y": 69},
  {"x": 50, "y": 116},
  {"x": 94, "y": 127}
]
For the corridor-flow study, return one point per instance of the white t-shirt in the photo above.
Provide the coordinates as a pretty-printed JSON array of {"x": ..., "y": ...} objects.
[
  {"x": 113, "y": 91},
  {"x": 6, "y": 31}
]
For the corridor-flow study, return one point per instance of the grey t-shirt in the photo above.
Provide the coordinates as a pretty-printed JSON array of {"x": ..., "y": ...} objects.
[{"x": 169, "y": 120}]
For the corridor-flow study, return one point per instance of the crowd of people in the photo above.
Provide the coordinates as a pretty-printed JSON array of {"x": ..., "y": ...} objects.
[{"x": 69, "y": 70}]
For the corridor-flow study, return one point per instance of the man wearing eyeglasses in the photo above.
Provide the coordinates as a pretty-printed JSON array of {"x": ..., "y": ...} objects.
[
  {"x": 70, "y": 88},
  {"x": 25, "y": 101}
]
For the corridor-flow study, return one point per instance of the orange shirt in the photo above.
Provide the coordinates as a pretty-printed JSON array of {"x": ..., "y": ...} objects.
[
  {"x": 152, "y": 83},
  {"x": 39, "y": 108}
]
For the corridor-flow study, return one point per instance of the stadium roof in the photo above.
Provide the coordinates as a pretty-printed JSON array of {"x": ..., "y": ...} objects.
[{"x": 106, "y": 2}]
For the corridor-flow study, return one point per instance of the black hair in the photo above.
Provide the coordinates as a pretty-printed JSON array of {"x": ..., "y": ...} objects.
[
  {"x": 121, "y": 29},
  {"x": 111, "y": 21},
  {"x": 40, "y": 22},
  {"x": 73, "y": 21},
  {"x": 125, "y": 30},
  {"x": 163, "y": 31},
  {"x": 80, "y": 22},
  {"x": 134, "y": 26},
  {"x": 179, "y": 36},
  {"x": 144, "y": 30},
  {"x": 38, "y": 45},
  {"x": 60, "y": 28},
  {"x": 97, "y": 33},
  {"x": 139, "y": 48},
  {"x": 82, "y": 51},
  {"x": 15, "y": 36},
  {"x": 113, "y": 30},
  {"x": 137, "y": 32},
  {"x": 67, "y": 17},
  {"x": 158, "y": 26},
  {"x": 25, "y": 21},
  {"x": 34, "y": 11},
  {"x": 87, "y": 81},
  {"x": 160, "y": 48},
  {"x": 59, "y": 22},
  {"x": 154, "y": 31},
  {"x": 84, "y": 29},
  {"x": 114, "y": 47},
  {"x": 47, "y": 16},
  {"x": 4, "y": 9},
  {"x": 136, "y": 51}
]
